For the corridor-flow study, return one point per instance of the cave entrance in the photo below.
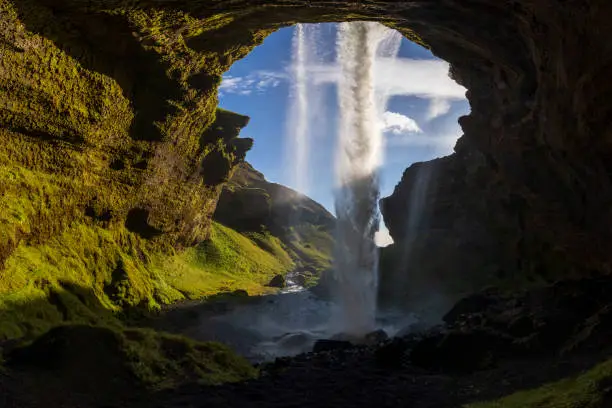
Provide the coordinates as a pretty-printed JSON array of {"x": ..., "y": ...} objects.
[
  {"x": 419, "y": 122},
  {"x": 291, "y": 87}
]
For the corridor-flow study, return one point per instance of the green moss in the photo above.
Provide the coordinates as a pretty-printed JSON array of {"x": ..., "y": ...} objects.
[
  {"x": 136, "y": 359},
  {"x": 587, "y": 390},
  {"x": 269, "y": 243},
  {"x": 228, "y": 261},
  {"x": 163, "y": 360},
  {"x": 313, "y": 245},
  {"x": 106, "y": 107},
  {"x": 89, "y": 273}
]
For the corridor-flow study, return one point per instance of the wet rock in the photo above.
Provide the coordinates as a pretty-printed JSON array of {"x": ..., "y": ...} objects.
[
  {"x": 392, "y": 355},
  {"x": 463, "y": 351},
  {"x": 295, "y": 341},
  {"x": 477, "y": 303},
  {"x": 329, "y": 345},
  {"x": 376, "y": 337},
  {"x": 594, "y": 334},
  {"x": 278, "y": 281},
  {"x": 418, "y": 327},
  {"x": 301, "y": 278}
]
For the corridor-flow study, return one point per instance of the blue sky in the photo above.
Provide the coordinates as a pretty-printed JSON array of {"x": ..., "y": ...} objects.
[{"x": 420, "y": 122}]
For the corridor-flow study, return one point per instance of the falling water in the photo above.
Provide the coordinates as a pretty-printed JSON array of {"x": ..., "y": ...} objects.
[
  {"x": 359, "y": 156},
  {"x": 299, "y": 108},
  {"x": 305, "y": 118}
]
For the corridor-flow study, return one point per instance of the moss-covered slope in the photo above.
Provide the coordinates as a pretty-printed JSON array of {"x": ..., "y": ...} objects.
[
  {"x": 267, "y": 211},
  {"x": 112, "y": 158}
]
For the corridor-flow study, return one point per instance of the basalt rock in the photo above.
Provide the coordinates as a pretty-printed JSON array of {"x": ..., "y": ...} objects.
[
  {"x": 330, "y": 345},
  {"x": 523, "y": 199},
  {"x": 484, "y": 328}
]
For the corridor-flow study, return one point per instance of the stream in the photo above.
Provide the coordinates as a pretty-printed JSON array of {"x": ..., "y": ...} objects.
[{"x": 263, "y": 328}]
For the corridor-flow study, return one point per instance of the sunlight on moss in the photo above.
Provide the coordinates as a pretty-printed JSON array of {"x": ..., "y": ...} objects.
[
  {"x": 88, "y": 273},
  {"x": 228, "y": 261},
  {"x": 164, "y": 360},
  {"x": 587, "y": 390}
]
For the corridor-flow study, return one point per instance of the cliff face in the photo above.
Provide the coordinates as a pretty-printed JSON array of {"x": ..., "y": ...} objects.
[
  {"x": 524, "y": 199},
  {"x": 109, "y": 139},
  {"x": 251, "y": 204}
]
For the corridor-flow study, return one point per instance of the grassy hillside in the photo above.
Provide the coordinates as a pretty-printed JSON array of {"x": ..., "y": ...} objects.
[
  {"x": 258, "y": 208},
  {"x": 66, "y": 279},
  {"x": 227, "y": 262}
]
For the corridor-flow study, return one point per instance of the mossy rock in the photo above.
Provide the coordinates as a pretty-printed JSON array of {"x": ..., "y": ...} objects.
[{"x": 137, "y": 358}]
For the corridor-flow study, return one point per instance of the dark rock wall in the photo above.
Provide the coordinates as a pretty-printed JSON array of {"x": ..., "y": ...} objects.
[{"x": 524, "y": 198}]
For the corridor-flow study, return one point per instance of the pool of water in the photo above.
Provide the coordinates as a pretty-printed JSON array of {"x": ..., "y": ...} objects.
[{"x": 281, "y": 325}]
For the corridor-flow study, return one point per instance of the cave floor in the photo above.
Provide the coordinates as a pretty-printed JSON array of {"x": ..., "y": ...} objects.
[
  {"x": 352, "y": 379},
  {"x": 339, "y": 378}
]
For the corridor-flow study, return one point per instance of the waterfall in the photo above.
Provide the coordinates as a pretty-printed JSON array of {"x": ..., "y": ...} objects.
[
  {"x": 305, "y": 116},
  {"x": 358, "y": 159},
  {"x": 298, "y": 121},
  {"x": 359, "y": 153}
]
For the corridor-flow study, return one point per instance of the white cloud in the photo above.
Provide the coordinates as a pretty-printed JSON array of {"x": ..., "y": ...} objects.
[
  {"x": 426, "y": 79},
  {"x": 382, "y": 238},
  {"x": 438, "y": 107},
  {"x": 442, "y": 144},
  {"x": 404, "y": 76},
  {"x": 403, "y": 131},
  {"x": 257, "y": 81},
  {"x": 398, "y": 124}
]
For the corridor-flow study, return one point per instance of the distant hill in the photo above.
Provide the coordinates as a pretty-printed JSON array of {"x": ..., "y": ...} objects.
[{"x": 262, "y": 210}]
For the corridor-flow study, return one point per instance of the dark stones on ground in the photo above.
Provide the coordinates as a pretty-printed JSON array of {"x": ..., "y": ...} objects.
[
  {"x": 461, "y": 351},
  {"x": 278, "y": 281},
  {"x": 330, "y": 345},
  {"x": 392, "y": 354},
  {"x": 481, "y": 355},
  {"x": 488, "y": 327},
  {"x": 376, "y": 337}
]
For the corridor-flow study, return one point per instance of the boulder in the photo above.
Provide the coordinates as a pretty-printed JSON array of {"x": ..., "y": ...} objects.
[
  {"x": 413, "y": 328},
  {"x": 376, "y": 337},
  {"x": 295, "y": 341},
  {"x": 392, "y": 355},
  {"x": 461, "y": 351},
  {"x": 470, "y": 305},
  {"x": 592, "y": 335},
  {"x": 278, "y": 281},
  {"x": 329, "y": 345}
]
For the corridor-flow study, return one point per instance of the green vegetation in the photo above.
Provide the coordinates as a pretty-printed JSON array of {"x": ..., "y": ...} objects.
[
  {"x": 68, "y": 278},
  {"x": 228, "y": 261},
  {"x": 587, "y": 390},
  {"x": 86, "y": 139},
  {"x": 163, "y": 360},
  {"x": 312, "y": 244},
  {"x": 136, "y": 359},
  {"x": 113, "y": 154},
  {"x": 279, "y": 219}
]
